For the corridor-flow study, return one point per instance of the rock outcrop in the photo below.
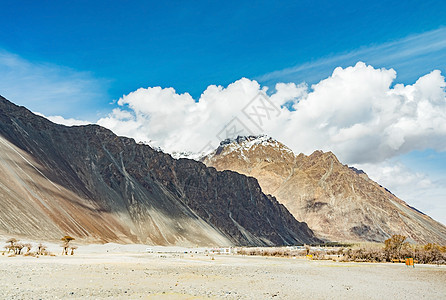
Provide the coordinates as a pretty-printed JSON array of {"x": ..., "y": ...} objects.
[
  {"x": 339, "y": 203},
  {"x": 89, "y": 183}
]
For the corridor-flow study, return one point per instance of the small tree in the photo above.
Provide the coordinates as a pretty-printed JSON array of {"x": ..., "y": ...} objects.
[
  {"x": 12, "y": 245},
  {"x": 18, "y": 248},
  {"x": 432, "y": 252},
  {"x": 66, "y": 243},
  {"x": 28, "y": 247},
  {"x": 72, "y": 249},
  {"x": 393, "y": 246},
  {"x": 41, "y": 249}
]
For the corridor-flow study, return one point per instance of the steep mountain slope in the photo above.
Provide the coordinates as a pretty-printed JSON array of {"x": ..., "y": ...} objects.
[
  {"x": 87, "y": 182},
  {"x": 339, "y": 203}
]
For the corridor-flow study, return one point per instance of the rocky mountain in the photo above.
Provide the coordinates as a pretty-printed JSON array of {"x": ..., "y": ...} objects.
[
  {"x": 89, "y": 183},
  {"x": 338, "y": 202}
]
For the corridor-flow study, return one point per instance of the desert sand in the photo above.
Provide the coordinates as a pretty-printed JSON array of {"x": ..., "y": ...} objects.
[{"x": 126, "y": 272}]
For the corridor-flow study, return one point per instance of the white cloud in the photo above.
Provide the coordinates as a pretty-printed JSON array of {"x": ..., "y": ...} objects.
[
  {"x": 356, "y": 113},
  {"x": 423, "y": 191},
  {"x": 175, "y": 122},
  {"x": 396, "y": 175},
  {"x": 63, "y": 121}
]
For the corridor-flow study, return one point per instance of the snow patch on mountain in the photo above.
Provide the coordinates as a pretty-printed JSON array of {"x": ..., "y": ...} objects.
[
  {"x": 240, "y": 144},
  {"x": 248, "y": 143}
]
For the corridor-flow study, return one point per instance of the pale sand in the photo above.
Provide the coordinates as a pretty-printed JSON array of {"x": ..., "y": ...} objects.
[{"x": 149, "y": 276}]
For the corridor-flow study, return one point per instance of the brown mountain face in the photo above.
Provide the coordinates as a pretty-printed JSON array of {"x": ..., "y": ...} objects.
[
  {"x": 337, "y": 202},
  {"x": 89, "y": 183}
]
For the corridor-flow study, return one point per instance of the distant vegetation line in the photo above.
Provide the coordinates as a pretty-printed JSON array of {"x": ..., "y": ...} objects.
[{"x": 394, "y": 249}]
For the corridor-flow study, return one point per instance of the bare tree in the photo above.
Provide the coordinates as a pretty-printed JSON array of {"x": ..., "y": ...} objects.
[
  {"x": 72, "y": 249},
  {"x": 66, "y": 244},
  {"x": 12, "y": 245},
  {"x": 41, "y": 249},
  {"x": 18, "y": 248},
  {"x": 28, "y": 247}
]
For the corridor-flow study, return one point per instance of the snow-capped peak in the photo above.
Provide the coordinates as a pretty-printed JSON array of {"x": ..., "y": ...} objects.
[
  {"x": 246, "y": 143},
  {"x": 240, "y": 143},
  {"x": 187, "y": 154},
  {"x": 251, "y": 139}
]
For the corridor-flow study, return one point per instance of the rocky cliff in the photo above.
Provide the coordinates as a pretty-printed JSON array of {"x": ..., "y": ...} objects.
[
  {"x": 339, "y": 203},
  {"x": 89, "y": 183}
]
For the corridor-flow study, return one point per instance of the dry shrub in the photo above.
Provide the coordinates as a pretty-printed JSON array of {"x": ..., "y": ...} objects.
[
  {"x": 272, "y": 251},
  {"x": 394, "y": 249},
  {"x": 16, "y": 248}
]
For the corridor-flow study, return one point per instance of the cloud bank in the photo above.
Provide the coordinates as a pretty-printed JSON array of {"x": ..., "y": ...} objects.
[
  {"x": 63, "y": 121},
  {"x": 423, "y": 191},
  {"x": 355, "y": 112}
]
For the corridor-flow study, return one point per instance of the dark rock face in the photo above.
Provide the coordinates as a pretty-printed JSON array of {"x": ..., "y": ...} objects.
[{"x": 138, "y": 194}]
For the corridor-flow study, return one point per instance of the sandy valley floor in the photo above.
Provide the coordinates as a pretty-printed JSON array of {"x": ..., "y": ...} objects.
[{"x": 149, "y": 276}]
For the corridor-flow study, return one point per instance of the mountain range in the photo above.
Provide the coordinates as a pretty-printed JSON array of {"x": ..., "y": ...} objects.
[
  {"x": 338, "y": 202},
  {"x": 86, "y": 182},
  {"x": 89, "y": 183}
]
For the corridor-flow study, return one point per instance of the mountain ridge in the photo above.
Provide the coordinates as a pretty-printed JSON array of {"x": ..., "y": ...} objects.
[
  {"x": 109, "y": 188},
  {"x": 338, "y": 202}
]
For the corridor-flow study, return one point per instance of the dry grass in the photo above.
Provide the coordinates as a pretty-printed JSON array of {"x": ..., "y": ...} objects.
[{"x": 393, "y": 250}]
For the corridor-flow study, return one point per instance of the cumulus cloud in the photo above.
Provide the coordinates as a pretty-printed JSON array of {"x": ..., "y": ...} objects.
[
  {"x": 176, "y": 122},
  {"x": 63, "y": 121},
  {"x": 423, "y": 191},
  {"x": 355, "y": 112},
  {"x": 395, "y": 175}
]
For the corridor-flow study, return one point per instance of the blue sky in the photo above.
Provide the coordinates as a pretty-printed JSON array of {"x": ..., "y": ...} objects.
[
  {"x": 132, "y": 44},
  {"x": 75, "y": 59}
]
